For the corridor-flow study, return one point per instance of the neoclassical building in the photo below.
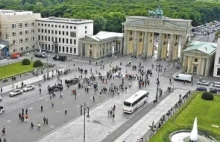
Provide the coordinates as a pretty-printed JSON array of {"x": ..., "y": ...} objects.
[
  {"x": 198, "y": 58},
  {"x": 140, "y": 31},
  {"x": 102, "y": 44}
]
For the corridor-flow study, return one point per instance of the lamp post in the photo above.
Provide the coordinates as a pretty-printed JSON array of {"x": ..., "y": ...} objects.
[
  {"x": 84, "y": 109},
  {"x": 47, "y": 65},
  {"x": 158, "y": 81}
]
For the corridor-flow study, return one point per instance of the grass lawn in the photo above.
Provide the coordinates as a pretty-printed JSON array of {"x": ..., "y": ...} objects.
[
  {"x": 13, "y": 69},
  {"x": 207, "y": 113}
]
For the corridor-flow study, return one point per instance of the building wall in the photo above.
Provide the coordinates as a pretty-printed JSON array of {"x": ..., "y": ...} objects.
[
  {"x": 66, "y": 35},
  {"x": 216, "y": 71},
  {"x": 19, "y": 29}
]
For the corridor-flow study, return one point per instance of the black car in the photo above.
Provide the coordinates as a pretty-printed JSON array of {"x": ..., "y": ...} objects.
[
  {"x": 55, "y": 88},
  {"x": 203, "y": 89},
  {"x": 72, "y": 81},
  {"x": 213, "y": 90},
  {"x": 60, "y": 58}
]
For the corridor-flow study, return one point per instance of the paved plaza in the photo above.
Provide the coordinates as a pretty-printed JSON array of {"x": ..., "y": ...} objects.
[{"x": 69, "y": 127}]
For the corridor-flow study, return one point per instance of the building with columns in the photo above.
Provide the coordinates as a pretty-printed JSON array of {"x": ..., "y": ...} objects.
[
  {"x": 101, "y": 45},
  {"x": 216, "y": 71},
  {"x": 139, "y": 36},
  {"x": 198, "y": 58}
]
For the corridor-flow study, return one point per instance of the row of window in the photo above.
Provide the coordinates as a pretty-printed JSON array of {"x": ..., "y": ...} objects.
[
  {"x": 60, "y": 48},
  {"x": 72, "y": 34},
  {"x": 20, "y": 25},
  {"x": 23, "y": 40},
  {"x": 24, "y": 48},
  {"x": 21, "y": 32},
  {"x": 58, "y": 26},
  {"x": 56, "y": 39}
]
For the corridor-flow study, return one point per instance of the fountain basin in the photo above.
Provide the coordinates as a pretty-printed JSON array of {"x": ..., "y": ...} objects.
[{"x": 184, "y": 136}]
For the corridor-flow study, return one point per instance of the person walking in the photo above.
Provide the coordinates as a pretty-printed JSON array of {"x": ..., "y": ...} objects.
[
  {"x": 32, "y": 125},
  {"x": 65, "y": 111},
  {"x": 41, "y": 108},
  {"x": 3, "y": 131},
  {"x": 93, "y": 98},
  {"x": 113, "y": 116},
  {"x": 26, "y": 111},
  {"x": 52, "y": 103},
  {"x": 4, "y": 140},
  {"x": 40, "y": 90},
  {"x": 44, "y": 119}
]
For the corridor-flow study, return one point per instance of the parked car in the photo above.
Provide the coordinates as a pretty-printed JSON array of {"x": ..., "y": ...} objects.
[
  {"x": 55, "y": 88},
  {"x": 15, "y": 92},
  {"x": 203, "y": 82},
  {"x": 28, "y": 88},
  {"x": 40, "y": 54},
  {"x": 183, "y": 77},
  {"x": 213, "y": 90},
  {"x": 60, "y": 58},
  {"x": 2, "y": 109},
  {"x": 203, "y": 89}
]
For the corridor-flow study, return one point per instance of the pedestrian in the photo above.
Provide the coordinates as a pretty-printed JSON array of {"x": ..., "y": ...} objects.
[
  {"x": 47, "y": 121},
  {"x": 19, "y": 115},
  {"x": 3, "y": 130},
  {"x": 113, "y": 116},
  {"x": 22, "y": 111},
  {"x": 41, "y": 108},
  {"x": 93, "y": 98},
  {"x": 52, "y": 103},
  {"x": 65, "y": 111},
  {"x": 108, "y": 113},
  {"x": 118, "y": 92},
  {"x": 40, "y": 90},
  {"x": 32, "y": 125},
  {"x": 26, "y": 111},
  {"x": 4, "y": 140},
  {"x": 44, "y": 119},
  {"x": 38, "y": 125},
  {"x": 50, "y": 96},
  {"x": 0, "y": 140}
]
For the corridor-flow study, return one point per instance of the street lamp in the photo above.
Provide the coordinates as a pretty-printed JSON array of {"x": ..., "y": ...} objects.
[
  {"x": 47, "y": 65},
  {"x": 84, "y": 109},
  {"x": 158, "y": 81}
]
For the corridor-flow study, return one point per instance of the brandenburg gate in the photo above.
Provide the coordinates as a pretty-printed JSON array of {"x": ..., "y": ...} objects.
[{"x": 140, "y": 31}]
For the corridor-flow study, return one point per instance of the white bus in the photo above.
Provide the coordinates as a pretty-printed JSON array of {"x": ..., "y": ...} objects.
[{"x": 135, "y": 101}]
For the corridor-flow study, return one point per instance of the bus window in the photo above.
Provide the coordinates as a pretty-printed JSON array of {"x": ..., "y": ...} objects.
[{"x": 127, "y": 104}]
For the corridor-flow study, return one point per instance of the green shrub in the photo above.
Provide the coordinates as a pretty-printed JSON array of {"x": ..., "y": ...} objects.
[
  {"x": 37, "y": 63},
  {"x": 207, "y": 96},
  {"x": 26, "y": 62}
]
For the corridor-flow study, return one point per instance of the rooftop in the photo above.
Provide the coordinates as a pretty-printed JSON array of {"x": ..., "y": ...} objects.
[
  {"x": 164, "y": 18},
  {"x": 66, "y": 20},
  {"x": 103, "y": 35},
  {"x": 205, "y": 47},
  {"x": 14, "y": 12}
]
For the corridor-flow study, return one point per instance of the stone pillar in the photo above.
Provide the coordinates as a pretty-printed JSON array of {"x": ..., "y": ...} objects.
[
  {"x": 160, "y": 46},
  {"x": 175, "y": 47},
  {"x": 145, "y": 45},
  {"x": 182, "y": 47},
  {"x": 125, "y": 43},
  {"x": 171, "y": 44},
  {"x": 202, "y": 66},
  {"x": 164, "y": 47},
  {"x": 189, "y": 64},
  {"x": 184, "y": 63},
  {"x": 207, "y": 67},
  {"x": 135, "y": 43}
]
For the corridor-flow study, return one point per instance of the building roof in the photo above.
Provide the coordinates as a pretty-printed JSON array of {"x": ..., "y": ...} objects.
[
  {"x": 14, "y": 12},
  {"x": 103, "y": 35},
  {"x": 64, "y": 20},
  {"x": 205, "y": 47}
]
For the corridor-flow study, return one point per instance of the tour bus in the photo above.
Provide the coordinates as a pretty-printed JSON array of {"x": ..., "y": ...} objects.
[{"x": 135, "y": 101}]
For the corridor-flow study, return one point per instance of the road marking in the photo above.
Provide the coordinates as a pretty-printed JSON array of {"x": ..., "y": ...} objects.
[{"x": 57, "y": 111}]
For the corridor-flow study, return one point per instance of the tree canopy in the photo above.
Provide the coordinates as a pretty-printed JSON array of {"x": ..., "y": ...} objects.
[{"x": 109, "y": 14}]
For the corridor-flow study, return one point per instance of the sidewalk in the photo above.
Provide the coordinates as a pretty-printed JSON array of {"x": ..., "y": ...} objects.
[
  {"x": 140, "y": 128},
  {"x": 27, "y": 81}
]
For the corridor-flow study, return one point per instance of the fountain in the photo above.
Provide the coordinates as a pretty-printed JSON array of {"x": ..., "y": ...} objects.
[{"x": 193, "y": 136}]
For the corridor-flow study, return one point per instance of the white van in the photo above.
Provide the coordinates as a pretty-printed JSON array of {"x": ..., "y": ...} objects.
[{"x": 183, "y": 77}]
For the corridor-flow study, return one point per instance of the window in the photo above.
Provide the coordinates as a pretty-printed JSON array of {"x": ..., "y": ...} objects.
[
  {"x": 13, "y": 26},
  {"x": 42, "y": 24},
  {"x": 67, "y": 41},
  {"x": 32, "y": 23},
  {"x": 55, "y": 26},
  {"x": 48, "y": 46},
  {"x": 67, "y": 49},
  {"x": 42, "y": 37},
  {"x": 48, "y": 25},
  {"x": 71, "y": 41},
  {"x": 20, "y": 25},
  {"x": 52, "y": 25},
  {"x": 45, "y": 25},
  {"x": 90, "y": 45},
  {"x": 63, "y": 26},
  {"x": 21, "y": 41},
  {"x": 20, "y": 33},
  {"x": 26, "y": 40},
  {"x": 195, "y": 60},
  {"x": 52, "y": 31},
  {"x": 27, "y": 47},
  {"x": 67, "y": 27},
  {"x": 67, "y": 33},
  {"x": 59, "y": 48},
  {"x": 52, "y": 39},
  {"x": 59, "y": 40},
  {"x": 45, "y": 38},
  {"x": 38, "y": 37},
  {"x": 59, "y": 26},
  {"x": 26, "y": 32},
  {"x": 32, "y": 31},
  {"x": 74, "y": 27},
  {"x": 85, "y": 32},
  {"x": 13, "y": 41},
  {"x": 45, "y": 30},
  {"x": 38, "y": 30},
  {"x": 49, "y": 31},
  {"x": 219, "y": 60},
  {"x": 33, "y": 46},
  {"x": 74, "y": 50},
  {"x": 14, "y": 33},
  {"x": 59, "y": 32},
  {"x": 26, "y": 24},
  {"x": 71, "y": 28},
  {"x": 63, "y": 49},
  {"x": 55, "y": 31},
  {"x": 33, "y": 38},
  {"x": 63, "y": 40},
  {"x": 42, "y": 30},
  {"x": 71, "y": 50},
  {"x": 85, "y": 27},
  {"x": 48, "y": 38},
  {"x": 74, "y": 42},
  {"x": 55, "y": 39},
  {"x": 38, "y": 24},
  {"x": 218, "y": 71},
  {"x": 130, "y": 32},
  {"x": 63, "y": 32},
  {"x": 21, "y": 48},
  {"x": 72, "y": 34}
]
